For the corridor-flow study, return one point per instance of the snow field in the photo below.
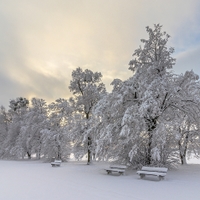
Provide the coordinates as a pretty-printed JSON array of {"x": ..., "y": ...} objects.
[{"x": 35, "y": 180}]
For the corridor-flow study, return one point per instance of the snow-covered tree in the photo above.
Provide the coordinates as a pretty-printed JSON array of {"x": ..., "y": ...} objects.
[
  {"x": 137, "y": 103},
  {"x": 188, "y": 123},
  {"x": 38, "y": 116},
  {"x": 56, "y": 140},
  {"x": 19, "y": 105},
  {"x": 87, "y": 89},
  {"x": 138, "y": 118},
  {"x": 4, "y": 123},
  {"x": 18, "y": 109},
  {"x": 30, "y": 137},
  {"x": 150, "y": 65}
]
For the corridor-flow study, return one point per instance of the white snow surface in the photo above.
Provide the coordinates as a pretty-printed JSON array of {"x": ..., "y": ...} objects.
[{"x": 36, "y": 180}]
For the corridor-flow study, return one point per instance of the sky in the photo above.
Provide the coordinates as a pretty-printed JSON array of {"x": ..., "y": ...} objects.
[{"x": 42, "y": 42}]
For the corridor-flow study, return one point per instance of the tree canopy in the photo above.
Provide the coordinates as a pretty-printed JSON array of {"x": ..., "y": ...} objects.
[{"x": 152, "y": 118}]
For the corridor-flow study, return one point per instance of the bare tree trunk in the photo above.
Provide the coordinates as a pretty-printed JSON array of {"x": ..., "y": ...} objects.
[
  {"x": 59, "y": 153},
  {"x": 183, "y": 146},
  {"x": 183, "y": 159},
  {"x": 39, "y": 151},
  {"x": 39, "y": 154},
  {"x": 29, "y": 155},
  {"x": 183, "y": 150},
  {"x": 89, "y": 150},
  {"x": 149, "y": 148},
  {"x": 89, "y": 145},
  {"x": 151, "y": 123}
]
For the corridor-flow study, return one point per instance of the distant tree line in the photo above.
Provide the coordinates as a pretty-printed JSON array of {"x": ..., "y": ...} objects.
[{"x": 152, "y": 118}]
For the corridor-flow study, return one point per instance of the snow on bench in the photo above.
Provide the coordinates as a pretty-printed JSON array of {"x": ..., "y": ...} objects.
[
  {"x": 56, "y": 163},
  {"x": 160, "y": 172},
  {"x": 116, "y": 168}
]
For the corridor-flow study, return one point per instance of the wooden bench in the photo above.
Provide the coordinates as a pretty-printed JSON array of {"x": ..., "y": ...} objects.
[
  {"x": 56, "y": 163},
  {"x": 160, "y": 172},
  {"x": 116, "y": 168}
]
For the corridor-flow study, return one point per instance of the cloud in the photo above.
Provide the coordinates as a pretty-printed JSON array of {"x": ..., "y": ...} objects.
[
  {"x": 43, "y": 41},
  {"x": 187, "y": 61}
]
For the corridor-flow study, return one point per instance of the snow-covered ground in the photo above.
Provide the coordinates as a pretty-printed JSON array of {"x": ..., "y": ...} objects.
[{"x": 36, "y": 180}]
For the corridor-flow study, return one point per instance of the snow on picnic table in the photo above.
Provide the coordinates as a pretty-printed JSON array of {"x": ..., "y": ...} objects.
[{"x": 36, "y": 180}]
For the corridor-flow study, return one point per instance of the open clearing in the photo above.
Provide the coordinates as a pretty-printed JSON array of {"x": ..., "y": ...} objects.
[{"x": 36, "y": 180}]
